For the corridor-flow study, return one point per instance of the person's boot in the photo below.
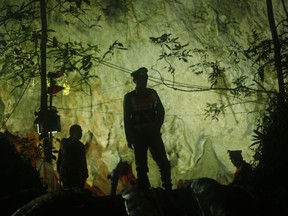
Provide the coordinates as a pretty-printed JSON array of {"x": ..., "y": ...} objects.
[
  {"x": 166, "y": 179},
  {"x": 143, "y": 181},
  {"x": 167, "y": 185}
]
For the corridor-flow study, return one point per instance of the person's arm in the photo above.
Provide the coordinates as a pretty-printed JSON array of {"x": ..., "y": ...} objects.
[
  {"x": 127, "y": 121},
  {"x": 59, "y": 160},
  {"x": 60, "y": 155},
  {"x": 84, "y": 162},
  {"x": 160, "y": 110}
]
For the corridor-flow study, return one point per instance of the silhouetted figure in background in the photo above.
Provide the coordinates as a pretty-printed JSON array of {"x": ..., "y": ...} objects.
[
  {"x": 121, "y": 174},
  {"x": 243, "y": 173},
  {"x": 71, "y": 163},
  {"x": 143, "y": 117}
]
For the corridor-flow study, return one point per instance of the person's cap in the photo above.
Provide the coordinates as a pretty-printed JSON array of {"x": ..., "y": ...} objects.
[
  {"x": 235, "y": 153},
  {"x": 140, "y": 73}
]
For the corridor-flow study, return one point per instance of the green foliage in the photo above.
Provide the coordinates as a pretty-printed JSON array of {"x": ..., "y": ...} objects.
[
  {"x": 261, "y": 53},
  {"x": 19, "y": 56},
  {"x": 21, "y": 39},
  {"x": 241, "y": 86},
  {"x": 270, "y": 137},
  {"x": 213, "y": 110},
  {"x": 72, "y": 56},
  {"x": 216, "y": 72},
  {"x": 172, "y": 51},
  {"x": 270, "y": 143}
]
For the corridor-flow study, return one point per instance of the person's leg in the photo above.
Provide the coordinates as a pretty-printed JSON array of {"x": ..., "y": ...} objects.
[
  {"x": 73, "y": 180},
  {"x": 140, "y": 151},
  {"x": 158, "y": 153}
]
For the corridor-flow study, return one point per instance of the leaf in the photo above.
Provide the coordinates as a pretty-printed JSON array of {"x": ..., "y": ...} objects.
[{"x": 55, "y": 42}]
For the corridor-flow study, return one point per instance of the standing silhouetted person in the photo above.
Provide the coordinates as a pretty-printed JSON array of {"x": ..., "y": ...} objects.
[
  {"x": 243, "y": 173},
  {"x": 71, "y": 164},
  {"x": 143, "y": 118}
]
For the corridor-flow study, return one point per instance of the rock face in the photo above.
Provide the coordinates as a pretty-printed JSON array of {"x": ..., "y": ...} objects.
[{"x": 196, "y": 146}]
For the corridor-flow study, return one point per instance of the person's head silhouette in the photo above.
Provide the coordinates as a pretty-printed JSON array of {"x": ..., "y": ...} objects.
[
  {"x": 75, "y": 131},
  {"x": 140, "y": 78},
  {"x": 235, "y": 157}
]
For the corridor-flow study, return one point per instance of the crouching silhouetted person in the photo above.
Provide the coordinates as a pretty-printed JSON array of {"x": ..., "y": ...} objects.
[
  {"x": 71, "y": 163},
  {"x": 243, "y": 173}
]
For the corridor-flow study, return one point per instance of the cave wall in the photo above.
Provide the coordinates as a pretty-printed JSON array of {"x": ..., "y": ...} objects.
[{"x": 196, "y": 146}]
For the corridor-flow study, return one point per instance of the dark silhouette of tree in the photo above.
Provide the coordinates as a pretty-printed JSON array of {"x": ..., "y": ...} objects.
[{"x": 270, "y": 138}]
